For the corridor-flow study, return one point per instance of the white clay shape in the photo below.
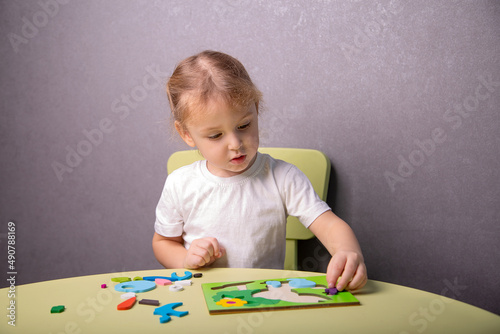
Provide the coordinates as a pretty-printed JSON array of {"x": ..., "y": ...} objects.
[
  {"x": 128, "y": 295},
  {"x": 184, "y": 283},
  {"x": 176, "y": 288}
]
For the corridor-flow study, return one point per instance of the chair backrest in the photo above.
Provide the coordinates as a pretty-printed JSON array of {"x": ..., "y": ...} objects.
[{"x": 313, "y": 163}]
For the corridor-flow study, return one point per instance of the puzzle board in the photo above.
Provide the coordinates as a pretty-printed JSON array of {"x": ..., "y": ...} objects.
[{"x": 265, "y": 295}]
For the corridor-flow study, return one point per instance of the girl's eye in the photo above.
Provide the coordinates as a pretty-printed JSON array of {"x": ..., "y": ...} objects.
[
  {"x": 244, "y": 126},
  {"x": 216, "y": 136}
]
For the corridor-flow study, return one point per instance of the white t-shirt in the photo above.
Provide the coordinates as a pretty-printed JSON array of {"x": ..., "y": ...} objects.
[{"x": 246, "y": 213}]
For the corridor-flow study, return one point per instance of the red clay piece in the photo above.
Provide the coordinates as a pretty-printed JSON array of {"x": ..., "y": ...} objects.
[{"x": 126, "y": 305}]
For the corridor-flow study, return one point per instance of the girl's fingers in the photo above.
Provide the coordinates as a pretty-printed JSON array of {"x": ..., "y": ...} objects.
[
  {"x": 334, "y": 270},
  {"x": 359, "y": 280},
  {"x": 347, "y": 275},
  {"x": 346, "y": 271},
  {"x": 204, "y": 251}
]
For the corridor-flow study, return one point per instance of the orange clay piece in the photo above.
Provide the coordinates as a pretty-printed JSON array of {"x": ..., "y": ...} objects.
[{"x": 126, "y": 305}]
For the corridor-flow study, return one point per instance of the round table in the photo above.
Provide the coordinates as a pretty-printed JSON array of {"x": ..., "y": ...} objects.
[{"x": 385, "y": 308}]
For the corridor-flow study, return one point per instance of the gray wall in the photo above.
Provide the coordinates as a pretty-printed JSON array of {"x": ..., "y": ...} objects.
[{"x": 403, "y": 96}]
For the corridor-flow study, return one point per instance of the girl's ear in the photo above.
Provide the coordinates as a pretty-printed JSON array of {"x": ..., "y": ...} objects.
[{"x": 184, "y": 134}]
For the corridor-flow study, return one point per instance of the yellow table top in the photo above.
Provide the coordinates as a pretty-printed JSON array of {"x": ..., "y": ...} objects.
[{"x": 385, "y": 308}]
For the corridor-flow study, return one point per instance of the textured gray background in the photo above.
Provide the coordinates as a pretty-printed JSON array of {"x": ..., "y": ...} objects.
[{"x": 403, "y": 96}]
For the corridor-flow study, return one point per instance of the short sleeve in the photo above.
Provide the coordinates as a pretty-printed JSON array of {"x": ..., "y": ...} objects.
[
  {"x": 300, "y": 198},
  {"x": 169, "y": 222}
]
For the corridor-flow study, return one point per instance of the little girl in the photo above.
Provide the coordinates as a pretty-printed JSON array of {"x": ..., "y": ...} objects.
[{"x": 230, "y": 210}]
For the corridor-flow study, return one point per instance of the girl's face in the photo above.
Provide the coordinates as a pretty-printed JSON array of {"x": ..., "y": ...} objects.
[{"x": 226, "y": 136}]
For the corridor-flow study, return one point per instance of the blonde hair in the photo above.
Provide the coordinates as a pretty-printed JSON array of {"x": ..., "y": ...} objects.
[{"x": 207, "y": 77}]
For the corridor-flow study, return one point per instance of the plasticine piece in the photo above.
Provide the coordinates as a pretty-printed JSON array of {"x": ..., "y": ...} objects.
[
  {"x": 301, "y": 283},
  {"x": 121, "y": 279},
  {"x": 126, "y": 305},
  {"x": 167, "y": 310},
  {"x": 331, "y": 291},
  {"x": 138, "y": 278},
  {"x": 128, "y": 295},
  {"x": 175, "y": 288},
  {"x": 162, "y": 281},
  {"x": 153, "y": 302},
  {"x": 198, "y": 275},
  {"x": 103, "y": 286},
  {"x": 184, "y": 283},
  {"x": 153, "y": 278},
  {"x": 187, "y": 275},
  {"x": 274, "y": 284},
  {"x": 57, "y": 309},
  {"x": 135, "y": 286}
]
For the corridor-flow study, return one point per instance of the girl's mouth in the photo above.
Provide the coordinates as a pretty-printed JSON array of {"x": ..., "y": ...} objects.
[{"x": 238, "y": 160}]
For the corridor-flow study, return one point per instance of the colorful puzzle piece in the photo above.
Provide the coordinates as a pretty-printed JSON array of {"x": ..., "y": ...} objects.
[
  {"x": 126, "y": 305},
  {"x": 153, "y": 302},
  {"x": 173, "y": 277},
  {"x": 331, "y": 291},
  {"x": 135, "y": 286},
  {"x": 226, "y": 302},
  {"x": 127, "y": 295},
  {"x": 167, "y": 310},
  {"x": 184, "y": 282},
  {"x": 153, "y": 278},
  {"x": 57, "y": 309},
  {"x": 121, "y": 279},
  {"x": 187, "y": 275},
  {"x": 175, "y": 288},
  {"x": 274, "y": 284},
  {"x": 301, "y": 283},
  {"x": 162, "y": 281}
]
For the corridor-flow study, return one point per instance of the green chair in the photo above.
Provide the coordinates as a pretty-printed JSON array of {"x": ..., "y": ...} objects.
[{"x": 314, "y": 164}]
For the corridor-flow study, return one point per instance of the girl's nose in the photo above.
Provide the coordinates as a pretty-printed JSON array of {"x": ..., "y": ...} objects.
[{"x": 234, "y": 142}]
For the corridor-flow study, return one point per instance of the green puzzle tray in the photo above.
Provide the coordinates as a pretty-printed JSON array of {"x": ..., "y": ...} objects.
[{"x": 264, "y": 295}]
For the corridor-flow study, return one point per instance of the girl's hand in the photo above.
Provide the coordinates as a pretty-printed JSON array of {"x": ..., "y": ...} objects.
[
  {"x": 203, "y": 252},
  {"x": 350, "y": 267}
]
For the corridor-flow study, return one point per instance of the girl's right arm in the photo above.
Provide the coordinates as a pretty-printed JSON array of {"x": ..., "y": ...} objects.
[{"x": 170, "y": 252}]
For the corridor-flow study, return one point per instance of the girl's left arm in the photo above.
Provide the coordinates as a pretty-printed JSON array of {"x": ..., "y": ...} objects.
[{"x": 347, "y": 261}]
